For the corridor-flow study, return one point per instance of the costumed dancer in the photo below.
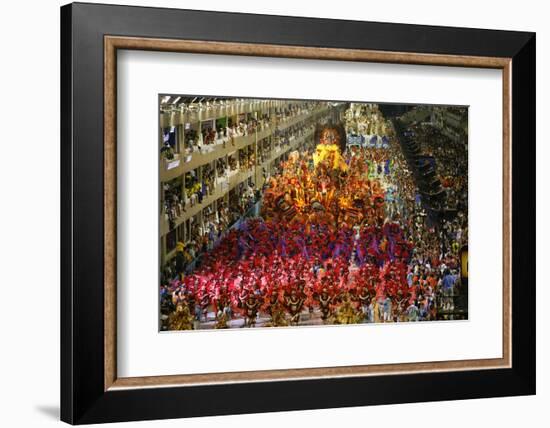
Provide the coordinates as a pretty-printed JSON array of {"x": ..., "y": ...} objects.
[
  {"x": 294, "y": 304},
  {"x": 181, "y": 318}
]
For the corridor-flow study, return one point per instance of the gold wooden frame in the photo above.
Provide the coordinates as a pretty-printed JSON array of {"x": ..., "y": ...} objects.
[{"x": 113, "y": 43}]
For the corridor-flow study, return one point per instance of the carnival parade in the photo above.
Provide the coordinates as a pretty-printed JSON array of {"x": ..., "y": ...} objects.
[{"x": 342, "y": 229}]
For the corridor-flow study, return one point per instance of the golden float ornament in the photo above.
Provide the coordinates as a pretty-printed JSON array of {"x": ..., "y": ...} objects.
[{"x": 328, "y": 150}]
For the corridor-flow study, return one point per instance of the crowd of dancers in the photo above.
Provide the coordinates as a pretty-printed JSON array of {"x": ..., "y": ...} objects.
[{"x": 342, "y": 239}]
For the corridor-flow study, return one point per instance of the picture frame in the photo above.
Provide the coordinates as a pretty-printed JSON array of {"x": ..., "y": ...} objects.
[{"x": 91, "y": 391}]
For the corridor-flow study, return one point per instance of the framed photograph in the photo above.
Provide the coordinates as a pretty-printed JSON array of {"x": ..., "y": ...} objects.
[{"x": 266, "y": 213}]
